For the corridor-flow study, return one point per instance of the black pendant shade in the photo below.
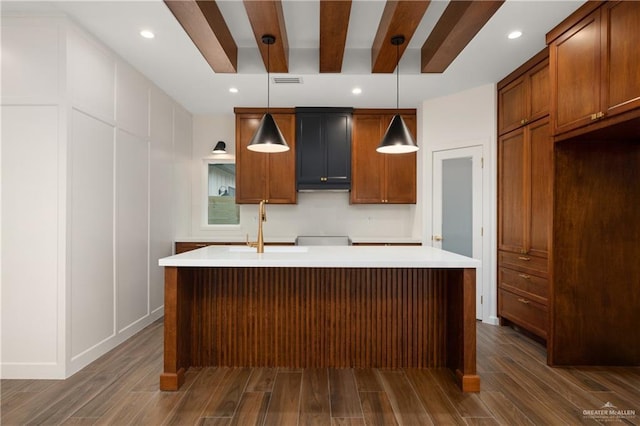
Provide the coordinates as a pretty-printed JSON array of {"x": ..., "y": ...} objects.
[
  {"x": 268, "y": 137},
  {"x": 397, "y": 139}
]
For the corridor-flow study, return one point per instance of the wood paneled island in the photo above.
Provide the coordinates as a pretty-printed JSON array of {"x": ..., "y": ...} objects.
[{"x": 320, "y": 306}]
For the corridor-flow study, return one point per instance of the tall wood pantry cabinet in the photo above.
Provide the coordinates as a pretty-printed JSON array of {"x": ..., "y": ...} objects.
[
  {"x": 595, "y": 290},
  {"x": 380, "y": 178},
  {"x": 525, "y": 161},
  {"x": 265, "y": 176}
]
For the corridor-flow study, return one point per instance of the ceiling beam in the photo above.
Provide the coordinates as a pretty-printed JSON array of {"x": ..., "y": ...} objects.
[
  {"x": 399, "y": 17},
  {"x": 206, "y": 27},
  {"x": 334, "y": 22},
  {"x": 457, "y": 26},
  {"x": 266, "y": 17}
]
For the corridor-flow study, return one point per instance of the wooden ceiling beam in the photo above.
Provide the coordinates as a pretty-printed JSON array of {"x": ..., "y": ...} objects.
[
  {"x": 460, "y": 22},
  {"x": 400, "y": 17},
  {"x": 334, "y": 22},
  {"x": 267, "y": 17},
  {"x": 204, "y": 24}
]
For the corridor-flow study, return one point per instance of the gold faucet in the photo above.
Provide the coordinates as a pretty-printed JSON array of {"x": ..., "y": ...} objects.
[{"x": 262, "y": 217}]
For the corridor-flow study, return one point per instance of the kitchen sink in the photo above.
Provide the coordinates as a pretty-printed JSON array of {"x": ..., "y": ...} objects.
[{"x": 270, "y": 249}]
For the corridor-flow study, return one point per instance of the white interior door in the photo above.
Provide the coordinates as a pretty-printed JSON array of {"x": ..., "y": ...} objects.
[{"x": 457, "y": 206}]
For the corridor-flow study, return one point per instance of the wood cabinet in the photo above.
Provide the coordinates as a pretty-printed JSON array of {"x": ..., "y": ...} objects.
[
  {"x": 594, "y": 63},
  {"x": 265, "y": 176},
  {"x": 323, "y": 145},
  {"x": 380, "y": 178},
  {"x": 525, "y": 161},
  {"x": 524, "y": 94}
]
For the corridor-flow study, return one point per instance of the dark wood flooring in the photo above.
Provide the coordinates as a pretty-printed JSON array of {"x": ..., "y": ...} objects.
[{"x": 121, "y": 388}]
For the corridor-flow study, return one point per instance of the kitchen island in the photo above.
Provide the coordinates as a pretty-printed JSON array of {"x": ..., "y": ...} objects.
[{"x": 319, "y": 307}]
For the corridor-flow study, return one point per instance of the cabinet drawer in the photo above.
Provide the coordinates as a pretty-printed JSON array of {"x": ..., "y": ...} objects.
[
  {"x": 535, "y": 287},
  {"x": 524, "y": 312},
  {"x": 523, "y": 262}
]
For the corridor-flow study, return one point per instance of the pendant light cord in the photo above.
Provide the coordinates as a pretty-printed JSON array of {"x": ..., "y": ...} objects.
[
  {"x": 268, "y": 69},
  {"x": 398, "y": 77}
]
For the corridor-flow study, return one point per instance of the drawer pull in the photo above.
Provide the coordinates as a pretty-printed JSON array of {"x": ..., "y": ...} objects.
[
  {"x": 525, "y": 276},
  {"x": 524, "y": 258},
  {"x": 525, "y": 301}
]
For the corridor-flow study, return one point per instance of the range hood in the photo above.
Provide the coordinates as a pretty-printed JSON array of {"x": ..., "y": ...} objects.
[{"x": 323, "y": 240}]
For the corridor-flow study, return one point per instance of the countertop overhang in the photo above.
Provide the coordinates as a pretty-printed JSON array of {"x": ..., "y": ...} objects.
[{"x": 322, "y": 257}]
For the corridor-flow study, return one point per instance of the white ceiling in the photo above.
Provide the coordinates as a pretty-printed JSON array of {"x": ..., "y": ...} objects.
[{"x": 176, "y": 66}]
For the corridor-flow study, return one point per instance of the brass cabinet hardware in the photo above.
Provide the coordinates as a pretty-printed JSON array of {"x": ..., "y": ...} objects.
[
  {"x": 525, "y": 276},
  {"x": 524, "y": 258},
  {"x": 525, "y": 301}
]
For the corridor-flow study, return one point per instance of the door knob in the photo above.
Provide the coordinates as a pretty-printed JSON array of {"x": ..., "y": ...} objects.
[{"x": 437, "y": 238}]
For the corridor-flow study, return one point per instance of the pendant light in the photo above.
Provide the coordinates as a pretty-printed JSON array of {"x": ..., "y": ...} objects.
[
  {"x": 220, "y": 148},
  {"x": 268, "y": 137},
  {"x": 397, "y": 139}
]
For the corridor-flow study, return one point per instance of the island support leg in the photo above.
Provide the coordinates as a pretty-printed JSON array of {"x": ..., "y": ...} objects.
[
  {"x": 461, "y": 326},
  {"x": 177, "y": 291}
]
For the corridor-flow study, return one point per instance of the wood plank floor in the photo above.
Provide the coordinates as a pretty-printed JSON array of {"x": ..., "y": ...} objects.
[{"x": 121, "y": 388}]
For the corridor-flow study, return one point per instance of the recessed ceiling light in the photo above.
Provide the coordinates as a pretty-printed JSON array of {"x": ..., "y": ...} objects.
[
  {"x": 233, "y": 89},
  {"x": 147, "y": 34},
  {"x": 356, "y": 91},
  {"x": 514, "y": 34}
]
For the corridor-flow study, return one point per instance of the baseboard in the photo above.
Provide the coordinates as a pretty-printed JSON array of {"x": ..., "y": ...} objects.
[
  {"x": 32, "y": 371},
  {"x": 79, "y": 362},
  {"x": 492, "y": 320}
]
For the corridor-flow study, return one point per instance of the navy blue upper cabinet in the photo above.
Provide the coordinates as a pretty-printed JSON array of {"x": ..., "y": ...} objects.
[{"x": 323, "y": 144}]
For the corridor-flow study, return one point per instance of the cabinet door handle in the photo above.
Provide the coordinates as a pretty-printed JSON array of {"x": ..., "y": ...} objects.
[
  {"x": 600, "y": 115},
  {"x": 524, "y": 258},
  {"x": 525, "y": 276},
  {"x": 525, "y": 301}
]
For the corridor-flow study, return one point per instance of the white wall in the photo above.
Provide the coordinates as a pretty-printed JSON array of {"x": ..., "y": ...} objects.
[
  {"x": 462, "y": 120},
  {"x": 33, "y": 198},
  {"x": 317, "y": 213},
  {"x": 94, "y": 155}
]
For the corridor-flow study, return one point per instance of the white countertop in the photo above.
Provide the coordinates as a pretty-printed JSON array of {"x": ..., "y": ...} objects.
[
  {"x": 291, "y": 240},
  {"x": 321, "y": 257}
]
